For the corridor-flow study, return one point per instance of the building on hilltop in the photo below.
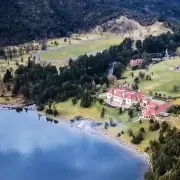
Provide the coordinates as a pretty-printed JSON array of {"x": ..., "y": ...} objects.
[{"x": 135, "y": 62}]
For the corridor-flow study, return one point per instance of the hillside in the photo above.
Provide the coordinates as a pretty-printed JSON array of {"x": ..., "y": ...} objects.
[
  {"x": 129, "y": 27},
  {"x": 24, "y": 20}
]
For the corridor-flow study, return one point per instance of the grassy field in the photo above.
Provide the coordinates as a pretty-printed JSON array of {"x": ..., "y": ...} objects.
[
  {"x": 67, "y": 109},
  {"x": 163, "y": 78},
  {"x": 80, "y": 49},
  {"x": 135, "y": 126}
]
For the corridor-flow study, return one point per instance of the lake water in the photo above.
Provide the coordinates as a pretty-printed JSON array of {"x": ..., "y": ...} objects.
[{"x": 33, "y": 149}]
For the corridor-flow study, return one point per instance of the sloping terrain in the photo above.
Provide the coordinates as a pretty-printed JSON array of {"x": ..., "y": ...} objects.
[
  {"x": 25, "y": 20},
  {"x": 129, "y": 27}
]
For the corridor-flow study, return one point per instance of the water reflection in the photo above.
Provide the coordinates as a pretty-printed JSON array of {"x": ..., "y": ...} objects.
[{"x": 33, "y": 150}]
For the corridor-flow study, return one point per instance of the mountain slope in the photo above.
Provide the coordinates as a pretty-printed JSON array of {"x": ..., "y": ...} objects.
[{"x": 24, "y": 20}]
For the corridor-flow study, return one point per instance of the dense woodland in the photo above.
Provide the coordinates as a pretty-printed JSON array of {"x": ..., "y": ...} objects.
[
  {"x": 88, "y": 74},
  {"x": 165, "y": 153},
  {"x": 26, "y": 20},
  {"x": 79, "y": 80}
]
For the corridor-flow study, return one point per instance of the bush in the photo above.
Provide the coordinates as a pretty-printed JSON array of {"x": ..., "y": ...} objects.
[
  {"x": 74, "y": 101},
  {"x": 142, "y": 130},
  {"x": 138, "y": 138},
  {"x": 120, "y": 110},
  {"x": 100, "y": 101},
  {"x": 8, "y": 87},
  {"x": 164, "y": 126},
  {"x": 40, "y": 108},
  {"x": 154, "y": 127},
  {"x": 130, "y": 132},
  {"x": 49, "y": 111},
  {"x": 118, "y": 135},
  {"x": 151, "y": 121},
  {"x": 102, "y": 112},
  {"x": 55, "y": 112}
]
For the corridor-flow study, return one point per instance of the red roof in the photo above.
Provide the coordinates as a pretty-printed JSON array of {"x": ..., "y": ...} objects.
[
  {"x": 126, "y": 93},
  {"x": 135, "y": 62},
  {"x": 154, "y": 108}
]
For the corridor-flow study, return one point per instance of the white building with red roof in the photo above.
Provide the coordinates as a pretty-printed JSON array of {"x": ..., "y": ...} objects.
[
  {"x": 126, "y": 98},
  {"x": 135, "y": 62},
  {"x": 153, "y": 108},
  {"x": 123, "y": 97}
]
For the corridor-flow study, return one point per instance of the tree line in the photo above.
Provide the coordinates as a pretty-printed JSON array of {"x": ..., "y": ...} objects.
[
  {"x": 165, "y": 153},
  {"x": 26, "y": 20},
  {"x": 78, "y": 80}
]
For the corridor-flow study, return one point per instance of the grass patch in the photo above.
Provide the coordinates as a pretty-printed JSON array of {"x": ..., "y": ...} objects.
[
  {"x": 149, "y": 135},
  {"x": 67, "y": 109},
  {"x": 79, "y": 49},
  {"x": 135, "y": 126},
  {"x": 163, "y": 78}
]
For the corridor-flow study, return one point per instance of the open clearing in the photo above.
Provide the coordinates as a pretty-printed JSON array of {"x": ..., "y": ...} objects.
[
  {"x": 80, "y": 49},
  {"x": 135, "y": 126},
  {"x": 163, "y": 78},
  {"x": 68, "y": 110}
]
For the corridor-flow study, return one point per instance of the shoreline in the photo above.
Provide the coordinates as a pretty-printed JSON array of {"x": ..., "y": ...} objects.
[
  {"x": 120, "y": 143},
  {"x": 15, "y": 105}
]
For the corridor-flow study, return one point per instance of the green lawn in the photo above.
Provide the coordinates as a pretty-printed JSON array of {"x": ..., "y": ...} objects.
[
  {"x": 163, "y": 80},
  {"x": 148, "y": 135},
  {"x": 135, "y": 126},
  {"x": 80, "y": 49},
  {"x": 68, "y": 110}
]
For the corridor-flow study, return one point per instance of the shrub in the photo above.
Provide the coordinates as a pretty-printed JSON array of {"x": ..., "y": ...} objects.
[
  {"x": 154, "y": 127},
  {"x": 100, "y": 101},
  {"x": 74, "y": 101},
  {"x": 49, "y": 111},
  {"x": 130, "y": 132},
  {"x": 40, "y": 108},
  {"x": 120, "y": 110},
  {"x": 55, "y": 112},
  {"x": 151, "y": 121},
  {"x": 142, "y": 130},
  {"x": 118, "y": 135},
  {"x": 138, "y": 138},
  {"x": 164, "y": 126},
  {"x": 102, "y": 112},
  {"x": 8, "y": 87}
]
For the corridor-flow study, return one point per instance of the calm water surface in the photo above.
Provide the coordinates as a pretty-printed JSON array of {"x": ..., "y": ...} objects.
[{"x": 33, "y": 149}]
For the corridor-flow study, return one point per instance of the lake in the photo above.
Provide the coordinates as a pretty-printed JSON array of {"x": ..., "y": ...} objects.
[{"x": 33, "y": 149}]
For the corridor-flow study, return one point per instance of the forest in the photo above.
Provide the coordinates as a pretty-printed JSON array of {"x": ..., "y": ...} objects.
[
  {"x": 25, "y": 20},
  {"x": 165, "y": 153},
  {"x": 80, "y": 78}
]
